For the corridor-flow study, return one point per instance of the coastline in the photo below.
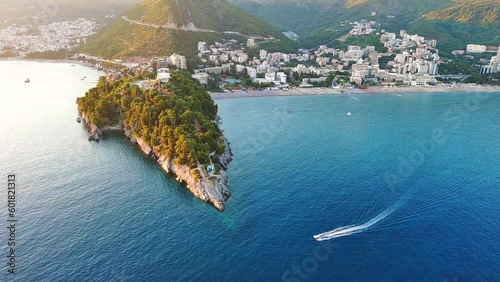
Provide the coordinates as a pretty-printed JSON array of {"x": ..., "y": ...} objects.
[
  {"x": 460, "y": 88},
  {"x": 61, "y": 61},
  {"x": 466, "y": 88},
  {"x": 210, "y": 189},
  {"x": 48, "y": 61}
]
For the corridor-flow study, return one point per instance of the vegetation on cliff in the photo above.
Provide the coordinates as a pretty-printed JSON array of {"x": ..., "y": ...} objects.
[{"x": 178, "y": 122}]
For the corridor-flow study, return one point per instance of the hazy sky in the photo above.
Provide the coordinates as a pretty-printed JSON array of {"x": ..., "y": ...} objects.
[
  {"x": 22, "y": 2},
  {"x": 63, "y": 9}
]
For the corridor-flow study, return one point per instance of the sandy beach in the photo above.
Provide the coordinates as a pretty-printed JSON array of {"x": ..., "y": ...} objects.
[
  {"x": 268, "y": 93},
  {"x": 466, "y": 88}
]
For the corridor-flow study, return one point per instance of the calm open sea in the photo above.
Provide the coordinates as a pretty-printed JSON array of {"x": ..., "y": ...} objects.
[{"x": 105, "y": 212}]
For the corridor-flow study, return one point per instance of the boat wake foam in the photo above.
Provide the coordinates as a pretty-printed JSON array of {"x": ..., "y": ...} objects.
[
  {"x": 353, "y": 229},
  {"x": 348, "y": 95}
]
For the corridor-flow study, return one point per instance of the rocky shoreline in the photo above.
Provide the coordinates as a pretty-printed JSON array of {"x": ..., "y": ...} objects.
[{"x": 210, "y": 189}]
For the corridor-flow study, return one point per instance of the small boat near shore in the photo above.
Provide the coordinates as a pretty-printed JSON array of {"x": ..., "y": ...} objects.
[{"x": 78, "y": 120}]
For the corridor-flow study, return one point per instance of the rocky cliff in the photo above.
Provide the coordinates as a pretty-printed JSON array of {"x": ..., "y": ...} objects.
[{"x": 211, "y": 189}]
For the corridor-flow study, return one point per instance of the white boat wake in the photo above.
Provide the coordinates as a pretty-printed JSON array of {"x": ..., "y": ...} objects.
[
  {"x": 349, "y": 95},
  {"x": 353, "y": 229}
]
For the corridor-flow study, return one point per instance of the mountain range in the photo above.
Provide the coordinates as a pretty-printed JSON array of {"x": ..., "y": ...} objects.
[
  {"x": 13, "y": 12},
  {"x": 469, "y": 11},
  {"x": 163, "y": 27},
  {"x": 451, "y": 22}
]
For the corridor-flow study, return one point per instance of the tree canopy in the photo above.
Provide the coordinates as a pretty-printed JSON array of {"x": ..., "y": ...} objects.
[{"x": 178, "y": 122}]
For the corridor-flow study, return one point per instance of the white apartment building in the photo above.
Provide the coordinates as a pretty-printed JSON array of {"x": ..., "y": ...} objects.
[
  {"x": 178, "y": 61},
  {"x": 474, "y": 48}
]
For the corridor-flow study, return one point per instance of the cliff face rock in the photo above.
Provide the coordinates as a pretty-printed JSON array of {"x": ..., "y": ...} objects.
[
  {"x": 214, "y": 190},
  {"x": 95, "y": 132}
]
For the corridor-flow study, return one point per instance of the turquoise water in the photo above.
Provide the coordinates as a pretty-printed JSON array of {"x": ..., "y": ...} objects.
[{"x": 105, "y": 212}]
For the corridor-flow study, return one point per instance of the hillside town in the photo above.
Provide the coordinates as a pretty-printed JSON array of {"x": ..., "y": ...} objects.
[
  {"x": 231, "y": 66},
  {"x": 493, "y": 66},
  {"x": 409, "y": 60},
  {"x": 363, "y": 27},
  {"x": 55, "y": 36}
]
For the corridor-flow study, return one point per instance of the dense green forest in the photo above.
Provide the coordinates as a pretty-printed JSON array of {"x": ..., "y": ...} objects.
[
  {"x": 217, "y": 15},
  {"x": 131, "y": 40},
  {"x": 178, "y": 121}
]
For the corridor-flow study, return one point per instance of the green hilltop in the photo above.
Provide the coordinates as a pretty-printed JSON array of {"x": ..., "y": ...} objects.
[
  {"x": 142, "y": 31},
  {"x": 177, "y": 122},
  {"x": 469, "y": 11},
  {"x": 467, "y": 21}
]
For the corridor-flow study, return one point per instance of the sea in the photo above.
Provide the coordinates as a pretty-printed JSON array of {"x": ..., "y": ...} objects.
[{"x": 413, "y": 180}]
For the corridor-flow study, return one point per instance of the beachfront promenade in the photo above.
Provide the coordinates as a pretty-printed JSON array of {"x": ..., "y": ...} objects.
[{"x": 370, "y": 90}]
